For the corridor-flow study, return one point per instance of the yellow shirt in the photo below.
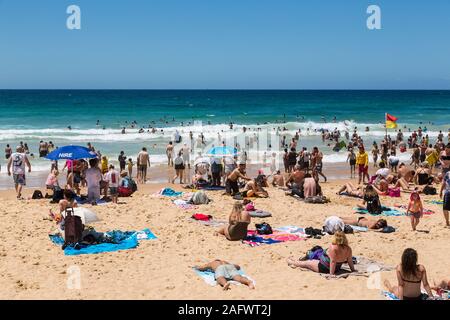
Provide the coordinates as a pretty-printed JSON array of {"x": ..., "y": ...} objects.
[
  {"x": 362, "y": 158},
  {"x": 104, "y": 165}
]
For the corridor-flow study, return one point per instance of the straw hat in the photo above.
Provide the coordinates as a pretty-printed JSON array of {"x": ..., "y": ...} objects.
[{"x": 123, "y": 173}]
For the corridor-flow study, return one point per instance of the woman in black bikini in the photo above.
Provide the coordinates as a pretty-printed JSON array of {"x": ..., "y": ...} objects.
[{"x": 410, "y": 275}]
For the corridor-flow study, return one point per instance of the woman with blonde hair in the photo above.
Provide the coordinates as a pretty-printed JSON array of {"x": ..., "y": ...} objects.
[
  {"x": 238, "y": 224},
  {"x": 331, "y": 260}
]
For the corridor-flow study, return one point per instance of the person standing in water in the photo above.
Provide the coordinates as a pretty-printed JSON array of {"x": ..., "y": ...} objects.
[
  {"x": 169, "y": 153},
  {"x": 351, "y": 158}
]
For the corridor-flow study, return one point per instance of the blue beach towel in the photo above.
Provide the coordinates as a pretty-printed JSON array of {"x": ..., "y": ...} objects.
[
  {"x": 120, "y": 241},
  {"x": 168, "y": 192},
  {"x": 387, "y": 211}
]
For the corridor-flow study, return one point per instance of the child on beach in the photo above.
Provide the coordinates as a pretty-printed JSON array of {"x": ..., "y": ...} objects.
[
  {"x": 415, "y": 209},
  {"x": 130, "y": 165},
  {"x": 112, "y": 177}
]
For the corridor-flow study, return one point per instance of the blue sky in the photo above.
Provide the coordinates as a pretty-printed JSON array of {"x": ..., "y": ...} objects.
[{"x": 211, "y": 44}]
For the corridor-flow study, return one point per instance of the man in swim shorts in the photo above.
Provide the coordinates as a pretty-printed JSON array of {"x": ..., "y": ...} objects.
[{"x": 18, "y": 160}]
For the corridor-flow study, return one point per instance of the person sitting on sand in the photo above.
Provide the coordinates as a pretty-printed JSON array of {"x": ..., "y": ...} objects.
[
  {"x": 52, "y": 180},
  {"x": 310, "y": 186},
  {"x": 238, "y": 224},
  {"x": 415, "y": 209},
  {"x": 369, "y": 223},
  {"x": 278, "y": 179},
  {"x": 255, "y": 187},
  {"x": 371, "y": 201},
  {"x": 406, "y": 173},
  {"x": 224, "y": 272},
  {"x": 68, "y": 202},
  {"x": 410, "y": 275},
  {"x": 331, "y": 260},
  {"x": 296, "y": 178}
]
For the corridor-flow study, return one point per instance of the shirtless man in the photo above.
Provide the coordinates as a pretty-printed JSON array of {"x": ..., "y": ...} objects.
[
  {"x": 295, "y": 178},
  {"x": 406, "y": 173},
  {"x": 225, "y": 272},
  {"x": 169, "y": 153},
  {"x": 444, "y": 159},
  {"x": 278, "y": 179},
  {"x": 231, "y": 184},
  {"x": 8, "y": 152},
  {"x": 143, "y": 160}
]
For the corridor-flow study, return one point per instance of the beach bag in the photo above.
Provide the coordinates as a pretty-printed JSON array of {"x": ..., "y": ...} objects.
[
  {"x": 429, "y": 190},
  {"x": 125, "y": 192},
  {"x": 199, "y": 197},
  {"x": 37, "y": 194},
  {"x": 132, "y": 185},
  {"x": 395, "y": 193},
  {"x": 73, "y": 228},
  {"x": 263, "y": 228}
]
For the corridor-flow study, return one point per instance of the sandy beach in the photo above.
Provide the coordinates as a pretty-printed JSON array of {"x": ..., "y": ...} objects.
[{"x": 32, "y": 267}]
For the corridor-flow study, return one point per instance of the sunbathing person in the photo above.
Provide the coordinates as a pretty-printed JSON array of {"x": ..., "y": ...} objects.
[
  {"x": 238, "y": 224},
  {"x": 371, "y": 201},
  {"x": 410, "y": 276},
  {"x": 442, "y": 285},
  {"x": 255, "y": 188},
  {"x": 369, "y": 223},
  {"x": 224, "y": 272},
  {"x": 331, "y": 261},
  {"x": 351, "y": 190}
]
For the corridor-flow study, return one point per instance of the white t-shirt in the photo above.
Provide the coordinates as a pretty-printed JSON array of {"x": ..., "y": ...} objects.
[
  {"x": 113, "y": 178},
  {"x": 18, "y": 163},
  {"x": 384, "y": 172},
  {"x": 93, "y": 177},
  {"x": 393, "y": 159}
]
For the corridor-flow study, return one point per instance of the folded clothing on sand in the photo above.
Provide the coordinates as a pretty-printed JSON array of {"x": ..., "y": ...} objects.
[
  {"x": 112, "y": 241},
  {"x": 168, "y": 192},
  {"x": 183, "y": 204},
  {"x": 208, "y": 276}
]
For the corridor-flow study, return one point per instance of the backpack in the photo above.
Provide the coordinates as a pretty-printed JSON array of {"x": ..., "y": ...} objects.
[
  {"x": 263, "y": 228},
  {"x": 429, "y": 190},
  {"x": 199, "y": 197},
  {"x": 132, "y": 185},
  {"x": 37, "y": 194},
  {"x": 73, "y": 228}
]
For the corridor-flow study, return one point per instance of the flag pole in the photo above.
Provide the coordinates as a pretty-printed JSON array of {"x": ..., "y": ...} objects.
[{"x": 385, "y": 126}]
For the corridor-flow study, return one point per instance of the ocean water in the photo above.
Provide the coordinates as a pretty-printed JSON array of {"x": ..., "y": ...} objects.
[{"x": 34, "y": 115}]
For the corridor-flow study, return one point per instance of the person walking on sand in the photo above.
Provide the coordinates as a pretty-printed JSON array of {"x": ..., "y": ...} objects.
[
  {"x": 143, "y": 160},
  {"x": 362, "y": 161},
  {"x": 169, "y": 153},
  {"x": 445, "y": 195},
  {"x": 17, "y": 161},
  {"x": 415, "y": 209},
  {"x": 224, "y": 272},
  {"x": 179, "y": 168}
]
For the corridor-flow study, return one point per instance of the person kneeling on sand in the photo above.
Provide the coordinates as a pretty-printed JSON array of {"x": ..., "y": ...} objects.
[
  {"x": 238, "y": 224},
  {"x": 224, "y": 272},
  {"x": 331, "y": 260}
]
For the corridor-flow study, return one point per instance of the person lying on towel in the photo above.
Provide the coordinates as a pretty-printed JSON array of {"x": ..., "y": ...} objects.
[{"x": 224, "y": 272}]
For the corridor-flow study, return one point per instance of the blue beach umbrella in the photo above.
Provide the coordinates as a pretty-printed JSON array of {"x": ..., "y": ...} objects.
[
  {"x": 71, "y": 153},
  {"x": 222, "y": 152}
]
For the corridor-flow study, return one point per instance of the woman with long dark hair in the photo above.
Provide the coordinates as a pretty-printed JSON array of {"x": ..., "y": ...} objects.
[{"x": 410, "y": 276}]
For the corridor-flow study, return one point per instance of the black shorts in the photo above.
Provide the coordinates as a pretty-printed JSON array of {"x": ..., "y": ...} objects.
[
  {"x": 179, "y": 167},
  {"x": 352, "y": 162},
  {"x": 446, "y": 205}
]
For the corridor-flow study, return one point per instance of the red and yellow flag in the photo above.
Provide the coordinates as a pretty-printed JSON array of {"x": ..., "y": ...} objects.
[{"x": 391, "y": 121}]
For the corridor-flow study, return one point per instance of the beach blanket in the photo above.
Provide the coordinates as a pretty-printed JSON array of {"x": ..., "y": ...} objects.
[
  {"x": 117, "y": 240},
  {"x": 387, "y": 211},
  {"x": 183, "y": 204},
  {"x": 364, "y": 267},
  {"x": 168, "y": 192},
  {"x": 282, "y": 234},
  {"x": 405, "y": 208},
  {"x": 435, "y": 201},
  {"x": 82, "y": 201},
  {"x": 389, "y": 295},
  {"x": 208, "y": 277}
]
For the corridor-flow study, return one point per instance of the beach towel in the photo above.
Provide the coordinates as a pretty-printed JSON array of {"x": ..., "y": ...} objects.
[
  {"x": 183, "y": 204},
  {"x": 435, "y": 201},
  {"x": 82, "y": 201},
  {"x": 208, "y": 277},
  {"x": 168, "y": 192},
  {"x": 117, "y": 240},
  {"x": 387, "y": 211},
  {"x": 259, "y": 214},
  {"x": 254, "y": 240},
  {"x": 364, "y": 267},
  {"x": 358, "y": 229},
  {"x": 389, "y": 295},
  {"x": 425, "y": 211}
]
